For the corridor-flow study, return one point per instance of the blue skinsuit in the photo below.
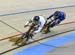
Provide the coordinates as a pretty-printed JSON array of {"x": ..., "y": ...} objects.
[{"x": 60, "y": 19}]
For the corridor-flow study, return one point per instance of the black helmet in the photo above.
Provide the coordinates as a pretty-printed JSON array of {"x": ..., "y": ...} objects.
[
  {"x": 36, "y": 18},
  {"x": 57, "y": 13}
]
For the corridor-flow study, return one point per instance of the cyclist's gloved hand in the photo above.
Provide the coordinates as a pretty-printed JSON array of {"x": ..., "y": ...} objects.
[
  {"x": 25, "y": 25},
  {"x": 47, "y": 18}
]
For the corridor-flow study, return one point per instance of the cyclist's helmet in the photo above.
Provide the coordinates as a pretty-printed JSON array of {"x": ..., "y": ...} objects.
[
  {"x": 36, "y": 18},
  {"x": 57, "y": 14}
]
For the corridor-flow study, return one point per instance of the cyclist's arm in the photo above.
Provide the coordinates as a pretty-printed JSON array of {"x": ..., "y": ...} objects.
[
  {"x": 50, "y": 16},
  {"x": 28, "y": 22}
]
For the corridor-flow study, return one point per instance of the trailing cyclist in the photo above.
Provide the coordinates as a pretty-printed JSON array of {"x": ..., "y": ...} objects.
[{"x": 58, "y": 17}]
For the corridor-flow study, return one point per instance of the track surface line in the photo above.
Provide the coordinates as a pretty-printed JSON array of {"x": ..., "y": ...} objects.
[
  {"x": 15, "y": 13},
  {"x": 21, "y": 34},
  {"x": 36, "y": 41}
]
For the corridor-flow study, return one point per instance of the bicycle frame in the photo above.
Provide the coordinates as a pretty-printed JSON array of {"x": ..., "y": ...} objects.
[
  {"x": 47, "y": 26},
  {"x": 26, "y": 36}
]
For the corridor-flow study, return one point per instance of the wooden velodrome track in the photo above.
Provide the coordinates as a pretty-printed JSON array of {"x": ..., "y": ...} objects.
[{"x": 17, "y": 21}]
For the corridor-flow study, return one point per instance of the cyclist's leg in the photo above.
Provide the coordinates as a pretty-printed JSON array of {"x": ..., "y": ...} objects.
[
  {"x": 55, "y": 23},
  {"x": 51, "y": 24},
  {"x": 47, "y": 28}
]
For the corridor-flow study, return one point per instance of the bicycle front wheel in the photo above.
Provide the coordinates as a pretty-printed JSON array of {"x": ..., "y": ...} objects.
[{"x": 22, "y": 40}]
